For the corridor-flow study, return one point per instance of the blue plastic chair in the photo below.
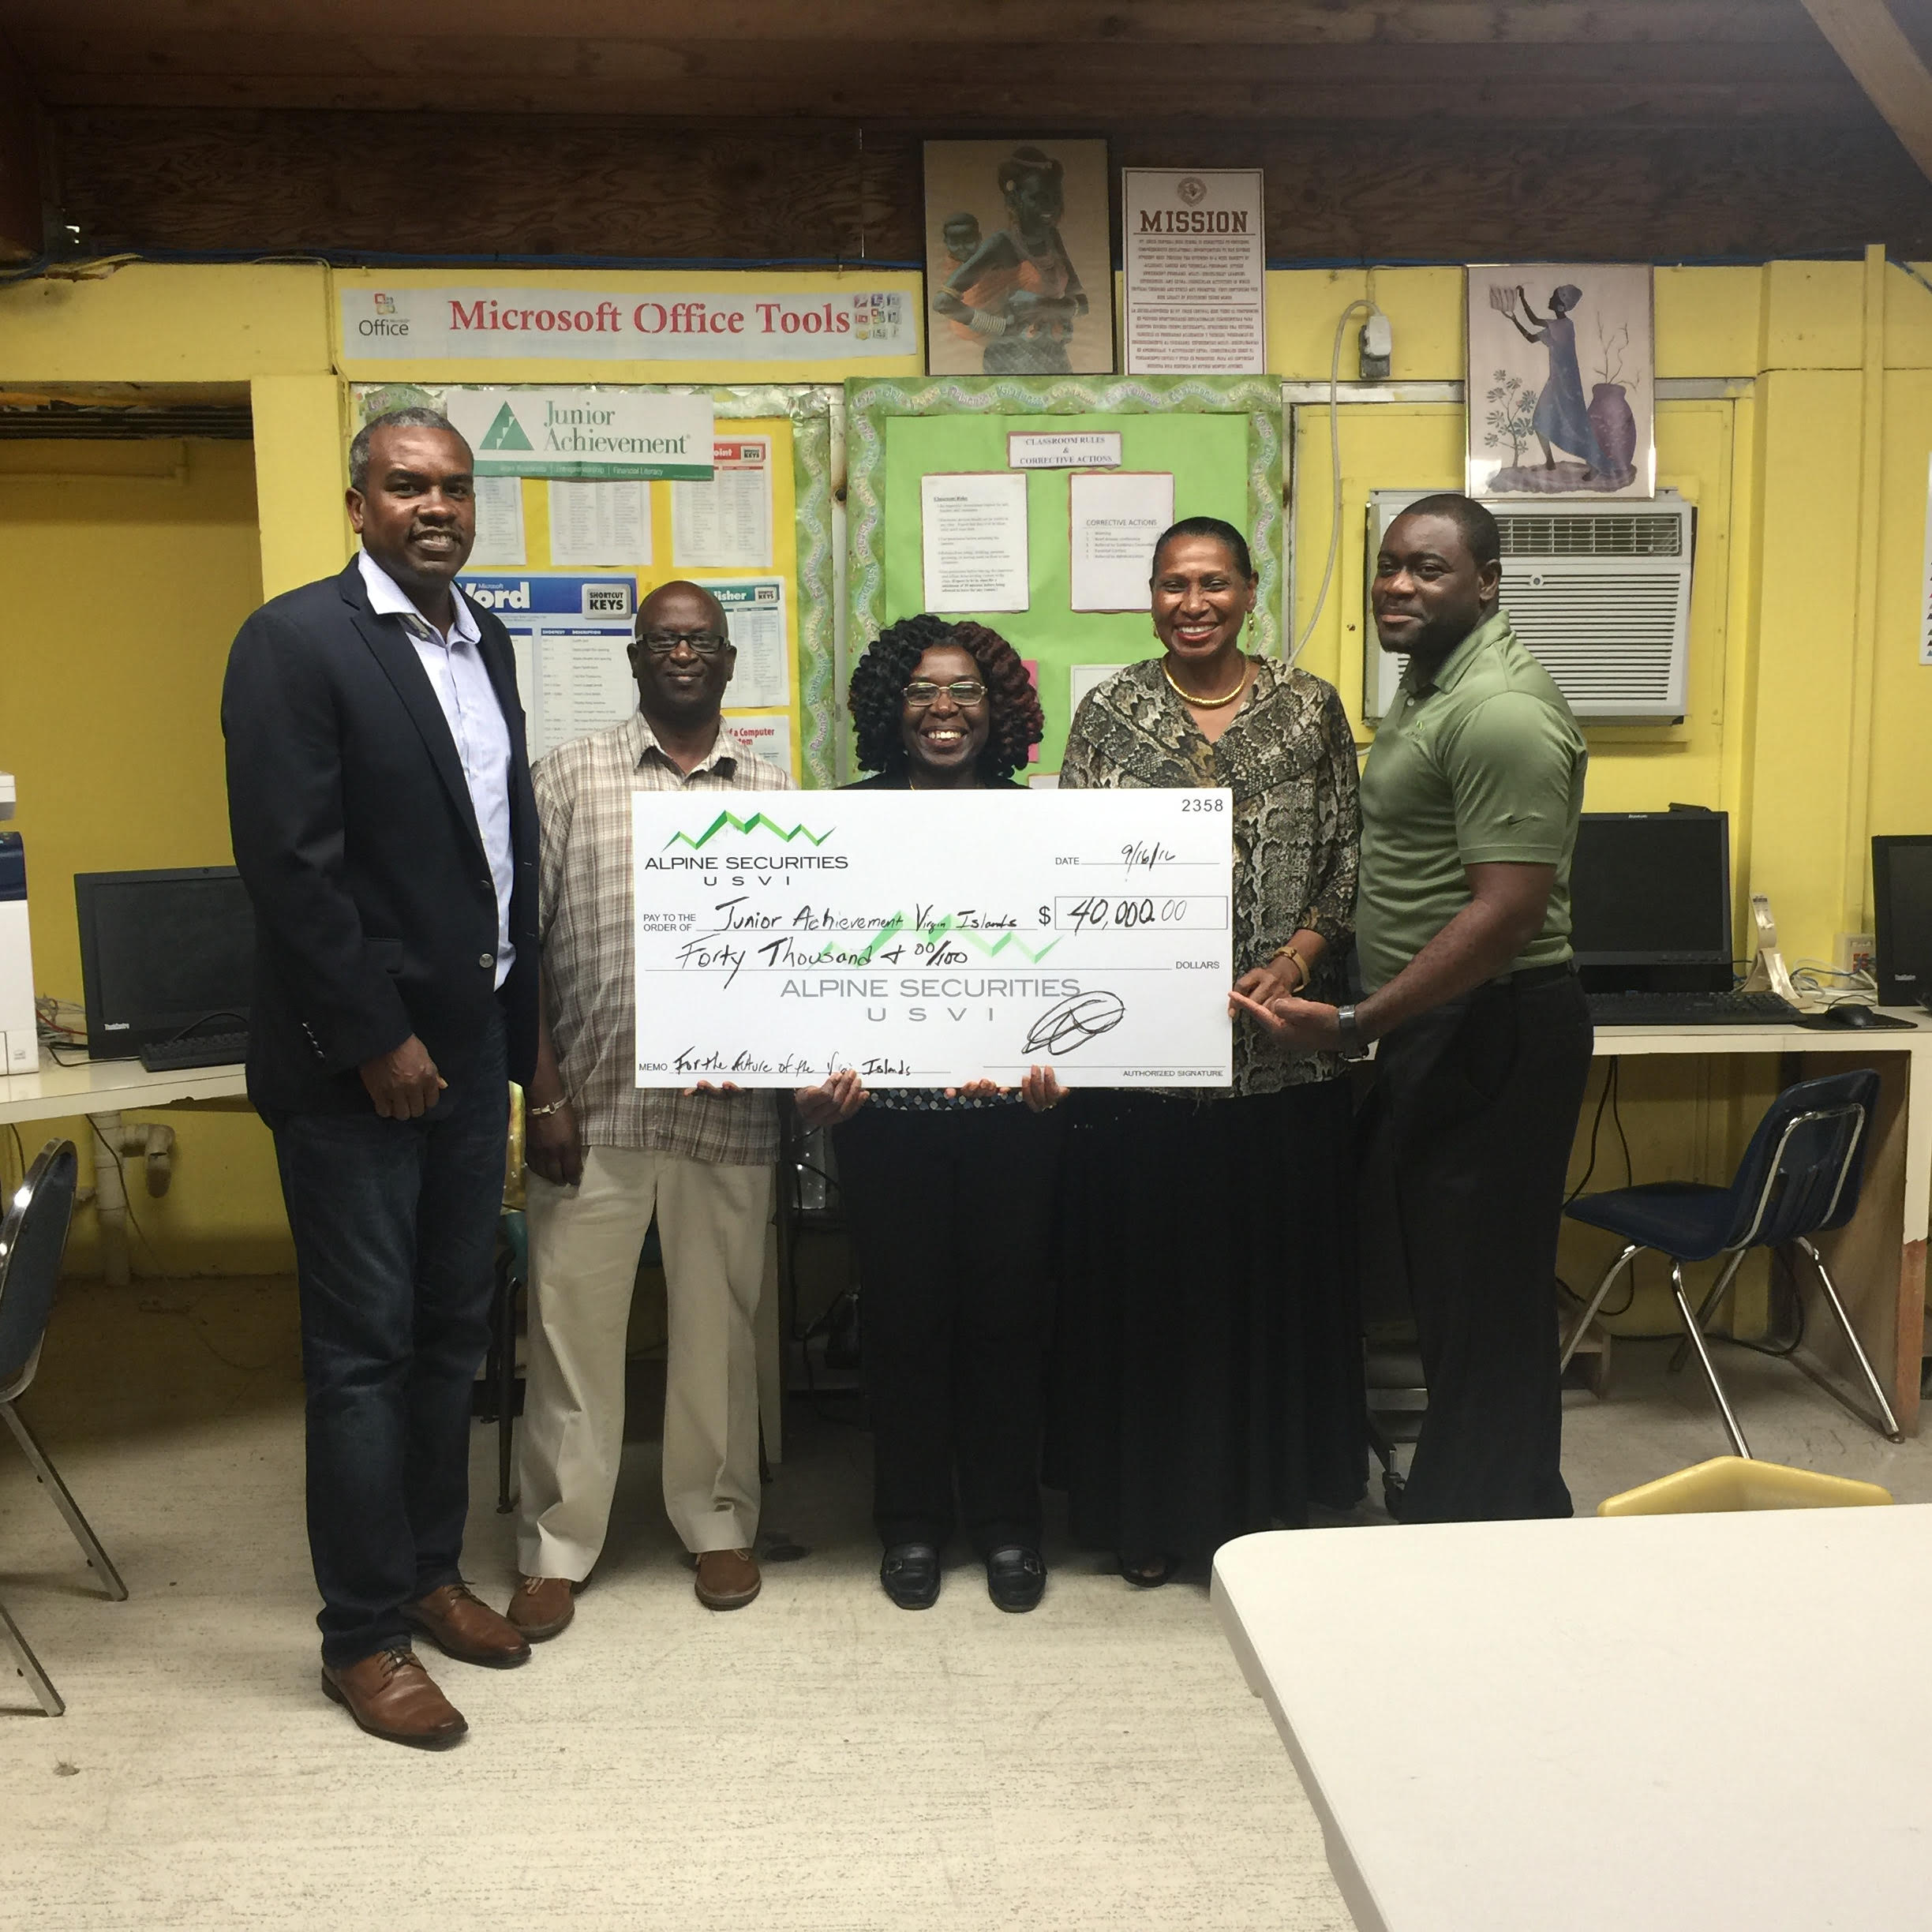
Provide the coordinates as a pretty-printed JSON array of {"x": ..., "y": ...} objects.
[
  {"x": 1800, "y": 1175},
  {"x": 33, "y": 1237}
]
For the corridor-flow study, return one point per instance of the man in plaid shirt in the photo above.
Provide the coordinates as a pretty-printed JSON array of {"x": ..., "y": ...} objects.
[{"x": 604, "y": 1153}]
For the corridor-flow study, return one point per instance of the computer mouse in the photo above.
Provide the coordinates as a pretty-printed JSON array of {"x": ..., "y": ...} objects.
[{"x": 1851, "y": 1013}]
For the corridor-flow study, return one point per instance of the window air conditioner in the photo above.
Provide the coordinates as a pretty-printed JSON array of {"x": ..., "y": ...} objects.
[{"x": 1599, "y": 591}]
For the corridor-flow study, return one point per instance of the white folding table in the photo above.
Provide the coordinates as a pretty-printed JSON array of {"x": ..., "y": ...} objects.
[{"x": 1668, "y": 1724}]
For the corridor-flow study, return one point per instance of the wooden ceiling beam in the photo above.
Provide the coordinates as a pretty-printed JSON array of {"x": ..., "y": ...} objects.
[
  {"x": 21, "y": 215},
  {"x": 1886, "y": 65},
  {"x": 1037, "y": 101},
  {"x": 45, "y": 31}
]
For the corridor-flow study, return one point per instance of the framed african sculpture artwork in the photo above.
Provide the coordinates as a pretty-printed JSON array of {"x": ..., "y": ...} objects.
[
  {"x": 1019, "y": 258},
  {"x": 1562, "y": 380}
]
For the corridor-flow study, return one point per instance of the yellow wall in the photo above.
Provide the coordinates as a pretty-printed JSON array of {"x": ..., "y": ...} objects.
[
  {"x": 1809, "y": 718},
  {"x": 128, "y": 568}
]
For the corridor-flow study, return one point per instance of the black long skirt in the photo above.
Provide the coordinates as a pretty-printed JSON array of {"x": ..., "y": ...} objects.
[{"x": 1207, "y": 1376}]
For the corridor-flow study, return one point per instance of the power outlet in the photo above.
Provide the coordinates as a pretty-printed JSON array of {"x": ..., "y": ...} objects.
[{"x": 1854, "y": 952}]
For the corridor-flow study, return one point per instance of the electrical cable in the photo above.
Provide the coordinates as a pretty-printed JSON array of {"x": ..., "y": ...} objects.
[
  {"x": 1612, "y": 1097},
  {"x": 1362, "y": 306}
]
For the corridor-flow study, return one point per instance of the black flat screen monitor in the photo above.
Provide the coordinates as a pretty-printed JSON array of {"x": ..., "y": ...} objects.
[
  {"x": 1902, "y": 917},
  {"x": 163, "y": 955},
  {"x": 1650, "y": 901}
]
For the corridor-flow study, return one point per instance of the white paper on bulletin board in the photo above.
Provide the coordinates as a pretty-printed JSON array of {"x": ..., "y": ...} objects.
[
  {"x": 973, "y": 540},
  {"x": 754, "y": 611},
  {"x": 499, "y": 523},
  {"x": 767, "y": 734},
  {"x": 726, "y": 523},
  {"x": 1113, "y": 518},
  {"x": 601, "y": 522}
]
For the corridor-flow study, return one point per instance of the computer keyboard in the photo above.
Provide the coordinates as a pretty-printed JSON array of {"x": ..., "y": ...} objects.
[
  {"x": 203, "y": 1049},
  {"x": 1689, "y": 1010}
]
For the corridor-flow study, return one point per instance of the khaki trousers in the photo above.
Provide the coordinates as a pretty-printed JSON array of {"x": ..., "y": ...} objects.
[{"x": 584, "y": 1244}]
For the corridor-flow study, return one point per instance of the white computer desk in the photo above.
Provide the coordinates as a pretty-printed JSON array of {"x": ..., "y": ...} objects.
[
  {"x": 103, "y": 1090},
  {"x": 1650, "y": 1724},
  {"x": 1879, "y": 1258},
  {"x": 94, "y": 1086}
]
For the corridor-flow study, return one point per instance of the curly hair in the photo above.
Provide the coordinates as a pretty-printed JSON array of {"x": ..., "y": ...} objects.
[{"x": 877, "y": 699}]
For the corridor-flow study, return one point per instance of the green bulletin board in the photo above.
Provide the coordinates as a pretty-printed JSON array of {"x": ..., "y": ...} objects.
[{"x": 1218, "y": 437}]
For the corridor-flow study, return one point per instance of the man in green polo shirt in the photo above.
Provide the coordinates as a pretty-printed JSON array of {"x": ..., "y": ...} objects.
[{"x": 1469, "y": 802}]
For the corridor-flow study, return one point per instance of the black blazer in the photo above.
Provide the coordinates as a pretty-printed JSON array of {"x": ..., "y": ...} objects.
[{"x": 375, "y": 913}]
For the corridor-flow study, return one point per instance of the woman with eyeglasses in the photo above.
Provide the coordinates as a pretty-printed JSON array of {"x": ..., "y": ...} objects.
[
  {"x": 949, "y": 1194},
  {"x": 1208, "y": 1375}
]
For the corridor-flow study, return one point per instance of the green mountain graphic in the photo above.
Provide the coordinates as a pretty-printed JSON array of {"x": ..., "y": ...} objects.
[
  {"x": 756, "y": 822},
  {"x": 932, "y": 935},
  {"x": 506, "y": 433}
]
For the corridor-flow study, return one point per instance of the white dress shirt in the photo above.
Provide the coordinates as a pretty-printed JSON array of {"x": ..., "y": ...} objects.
[{"x": 461, "y": 681}]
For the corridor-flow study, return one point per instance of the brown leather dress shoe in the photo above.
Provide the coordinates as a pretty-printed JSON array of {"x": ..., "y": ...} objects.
[
  {"x": 541, "y": 1607},
  {"x": 462, "y": 1626},
  {"x": 392, "y": 1697},
  {"x": 727, "y": 1579}
]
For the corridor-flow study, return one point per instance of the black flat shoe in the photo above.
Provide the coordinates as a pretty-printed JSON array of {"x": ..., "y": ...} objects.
[
  {"x": 1150, "y": 1575},
  {"x": 1016, "y": 1577},
  {"x": 909, "y": 1574}
]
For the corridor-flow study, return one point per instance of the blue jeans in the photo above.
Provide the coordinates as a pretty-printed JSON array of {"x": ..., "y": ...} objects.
[{"x": 395, "y": 1224}]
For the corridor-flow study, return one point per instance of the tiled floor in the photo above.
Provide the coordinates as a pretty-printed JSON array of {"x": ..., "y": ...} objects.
[{"x": 818, "y": 1761}]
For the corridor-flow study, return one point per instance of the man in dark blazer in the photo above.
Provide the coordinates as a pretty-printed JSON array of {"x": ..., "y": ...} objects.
[{"x": 380, "y": 799}]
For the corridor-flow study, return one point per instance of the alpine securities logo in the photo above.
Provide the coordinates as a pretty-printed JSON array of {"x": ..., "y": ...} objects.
[{"x": 757, "y": 822}]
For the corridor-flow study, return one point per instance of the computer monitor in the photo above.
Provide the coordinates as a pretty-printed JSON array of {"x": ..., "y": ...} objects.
[
  {"x": 1650, "y": 901},
  {"x": 163, "y": 955},
  {"x": 1902, "y": 917}
]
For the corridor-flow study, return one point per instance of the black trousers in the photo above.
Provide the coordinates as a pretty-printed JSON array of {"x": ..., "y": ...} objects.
[
  {"x": 1472, "y": 1113},
  {"x": 951, "y": 1217},
  {"x": 395, "y": 1224}
]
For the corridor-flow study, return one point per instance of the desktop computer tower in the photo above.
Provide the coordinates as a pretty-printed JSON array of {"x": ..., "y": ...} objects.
[
  {"x": 1902, "y": 917},
  {"x": 20, "y": 1050}
]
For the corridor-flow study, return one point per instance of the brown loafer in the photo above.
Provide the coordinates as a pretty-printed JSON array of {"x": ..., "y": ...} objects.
[
  {"x": 462, "y": 1626},
  {"x": 392, "y": 1697},
  {"x": 727, "y": 1579},
  {"x": 541, "y": 1607}
]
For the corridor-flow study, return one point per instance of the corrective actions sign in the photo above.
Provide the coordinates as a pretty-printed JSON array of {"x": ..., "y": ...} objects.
[
  {"x": 585, "y": 323},
  {"x": 925, "y": 939}
]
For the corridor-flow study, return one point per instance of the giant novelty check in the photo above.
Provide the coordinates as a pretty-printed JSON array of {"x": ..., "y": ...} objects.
[{"x": 925, "y": 939}]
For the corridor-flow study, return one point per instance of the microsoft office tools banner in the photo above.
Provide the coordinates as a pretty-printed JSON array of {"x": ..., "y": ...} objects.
[{"x": 585, "y": 322}]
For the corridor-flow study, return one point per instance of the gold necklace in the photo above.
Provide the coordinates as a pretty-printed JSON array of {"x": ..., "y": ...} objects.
[{"x": 1206, "y": 704}]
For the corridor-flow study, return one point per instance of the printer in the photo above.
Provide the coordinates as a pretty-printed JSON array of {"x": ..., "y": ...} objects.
[{"x": 20, "y": 1049}]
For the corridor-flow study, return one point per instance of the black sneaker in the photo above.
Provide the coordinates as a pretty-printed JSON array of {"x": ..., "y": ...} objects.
[
  {"x": 1016, "y": 1577},
  {"x": 909, "y": 1574}
]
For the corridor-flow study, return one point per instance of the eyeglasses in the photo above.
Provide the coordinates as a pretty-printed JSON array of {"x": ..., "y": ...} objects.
[
  {"x": 965, "y": 692},
  {"x": 704, "y": 643}
]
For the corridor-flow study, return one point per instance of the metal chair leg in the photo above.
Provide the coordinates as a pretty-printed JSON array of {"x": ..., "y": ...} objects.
[
  {"x": 1680, "y": 1354},
  {"x": 1890, "y": 1429},
  {"x": 50, "y": 1700},
  {"x": 1696, "y": 1336},
  {"x": 84, "y": 1535},
  {"x": 1596, "y": 1302}
]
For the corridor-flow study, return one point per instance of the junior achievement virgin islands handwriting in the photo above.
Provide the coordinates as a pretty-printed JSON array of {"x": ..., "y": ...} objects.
[
  {"x": 899, "y": 941},
  {"x": 740, "y": 915}
]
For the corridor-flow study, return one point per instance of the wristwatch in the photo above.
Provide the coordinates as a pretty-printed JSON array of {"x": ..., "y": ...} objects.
[{"x": 1354, "y": 1046}]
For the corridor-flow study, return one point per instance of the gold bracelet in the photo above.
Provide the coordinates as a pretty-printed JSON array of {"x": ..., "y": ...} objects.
[
  {"x": 1301, "y": 966},
  {"x": 549, "y": 1107}
]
